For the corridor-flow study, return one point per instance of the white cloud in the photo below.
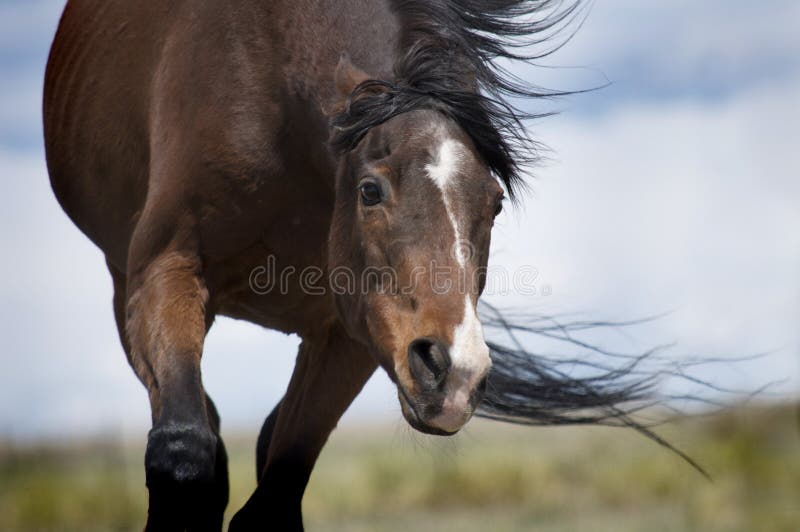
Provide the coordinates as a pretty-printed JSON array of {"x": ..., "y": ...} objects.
[
  {"x": 26, "y": 25},
  {"x": 676, "y": 206},
  {"x": 682, "y": 47},
  {"x": 26, "y": 31},
  {"x": 670, "y": 205}
]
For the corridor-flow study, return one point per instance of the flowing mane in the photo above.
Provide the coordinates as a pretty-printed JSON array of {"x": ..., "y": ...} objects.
[{"x": 449, "y": 63}]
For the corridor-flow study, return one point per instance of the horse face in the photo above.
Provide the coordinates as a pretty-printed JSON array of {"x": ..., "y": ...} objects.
[{"x": 413, "y": 216}]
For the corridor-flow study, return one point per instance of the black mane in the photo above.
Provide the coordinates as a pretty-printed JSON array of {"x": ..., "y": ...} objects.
[{"x": 449, "y": 64}]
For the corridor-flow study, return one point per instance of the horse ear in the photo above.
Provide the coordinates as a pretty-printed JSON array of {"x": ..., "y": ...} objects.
[{"x": 346, "y": 78}]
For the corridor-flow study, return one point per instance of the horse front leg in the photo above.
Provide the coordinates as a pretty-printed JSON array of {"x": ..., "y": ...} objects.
[
  {"x": 264, "y": 438},
  {"x": 185, "y": 463},
  {"x": 330, "y": 371}
]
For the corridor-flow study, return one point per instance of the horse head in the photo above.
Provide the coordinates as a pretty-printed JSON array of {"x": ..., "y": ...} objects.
[{"x": 415, "y": 205}]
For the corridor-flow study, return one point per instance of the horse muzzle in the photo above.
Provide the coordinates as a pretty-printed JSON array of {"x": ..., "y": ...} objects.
[{"x": 444, "y": 394}]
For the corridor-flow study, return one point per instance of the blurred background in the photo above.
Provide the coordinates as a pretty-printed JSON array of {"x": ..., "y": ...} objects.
[{"x": 674, "y": 190}]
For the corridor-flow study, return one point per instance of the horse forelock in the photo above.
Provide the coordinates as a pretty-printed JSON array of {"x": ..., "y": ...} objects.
[{"x": 447, "y": 63}]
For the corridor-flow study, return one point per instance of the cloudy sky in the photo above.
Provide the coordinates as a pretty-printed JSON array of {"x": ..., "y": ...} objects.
[{"x": 674, "y": 189}]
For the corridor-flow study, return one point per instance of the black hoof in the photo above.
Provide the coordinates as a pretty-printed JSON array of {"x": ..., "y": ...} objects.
[
  {"x": 264, "y": 513},
  {"x": 245, "y": 522},
  {"x": 180, "y": 454},
  {"x": 181, "y": 471}
]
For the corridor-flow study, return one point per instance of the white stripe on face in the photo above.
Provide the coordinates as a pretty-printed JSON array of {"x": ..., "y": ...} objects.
[
  {"x": 469, "y": 352},
  {"x": 447, "y": 165},
  {"x": 448, "y": 162},
  {"x": 470, "y": 356},
  {"x": 469, "y": 348}
]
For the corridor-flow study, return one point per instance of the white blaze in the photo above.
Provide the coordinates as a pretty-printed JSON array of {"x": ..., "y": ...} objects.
[
  {"x": 448, "y": 162},
  {"x": 470, "y": 357},
  {"x": 469, "y": 353},
  {"x": 447, "y": 165}
]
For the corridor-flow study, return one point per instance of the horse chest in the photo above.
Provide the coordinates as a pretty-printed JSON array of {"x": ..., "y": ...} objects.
[{"x": 272, "y": 281}]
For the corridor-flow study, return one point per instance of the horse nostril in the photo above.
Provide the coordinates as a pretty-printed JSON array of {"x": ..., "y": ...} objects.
[{"x": 428, "y": 361}]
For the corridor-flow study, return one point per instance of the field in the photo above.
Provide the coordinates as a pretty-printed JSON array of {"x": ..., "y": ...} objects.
[{"x": 492, "y": 477}]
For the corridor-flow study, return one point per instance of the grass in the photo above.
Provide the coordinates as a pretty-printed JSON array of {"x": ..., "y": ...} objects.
[{"x": 492, "y": 477}]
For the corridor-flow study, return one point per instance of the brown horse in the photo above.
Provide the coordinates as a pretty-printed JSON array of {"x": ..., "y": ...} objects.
[{"x": 364, "y": 141}]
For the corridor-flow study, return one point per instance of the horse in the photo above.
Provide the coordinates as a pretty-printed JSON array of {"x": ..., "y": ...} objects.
[{"x": 190, "y": 141}]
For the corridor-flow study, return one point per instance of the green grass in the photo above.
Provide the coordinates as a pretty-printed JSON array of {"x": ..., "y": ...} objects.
[{"x": 492, "y": 477}]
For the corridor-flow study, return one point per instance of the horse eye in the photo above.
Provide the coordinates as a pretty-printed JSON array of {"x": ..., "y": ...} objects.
[
  {"x": 499, "y": 208},
  {"x": 370, "y": 193}
]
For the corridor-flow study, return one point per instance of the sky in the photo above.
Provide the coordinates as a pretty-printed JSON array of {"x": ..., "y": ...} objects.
[{"x": 674, "y": 189}]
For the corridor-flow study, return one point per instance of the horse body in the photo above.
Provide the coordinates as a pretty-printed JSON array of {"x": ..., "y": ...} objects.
[
  {"x": 188, "y": 141},
  {"x": 180, "y": 108},
  {"x": 192, "y": 141}
]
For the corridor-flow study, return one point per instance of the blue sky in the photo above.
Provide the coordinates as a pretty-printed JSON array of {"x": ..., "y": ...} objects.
[{"x": 673, "y": 189}]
